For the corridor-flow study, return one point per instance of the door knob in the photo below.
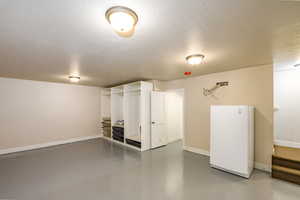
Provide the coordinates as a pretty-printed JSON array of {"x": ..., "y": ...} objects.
[{"x": 152, "y": 122}]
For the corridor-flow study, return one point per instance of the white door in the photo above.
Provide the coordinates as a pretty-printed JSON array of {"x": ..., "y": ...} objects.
[
  {"x": 158, "y": 125},
  {"x": 174, "y": 114}
]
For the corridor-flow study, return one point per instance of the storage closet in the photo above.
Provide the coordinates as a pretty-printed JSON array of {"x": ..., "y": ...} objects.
[
  {"x": 132, "y": 95},
  {"x": 130, "y": 114},
  {"x": 105, "y": 113},
  {"x": 106, "y": 126},
  {"x": 117, "y": 114}
]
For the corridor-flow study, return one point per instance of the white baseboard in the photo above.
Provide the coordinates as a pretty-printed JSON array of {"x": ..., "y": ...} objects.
[
  {"x": 262, "y": 167},
  {"x": 259, "y": 166},
  {"x": 287, "y": 144},
  {"x": 196, "y": 150},
  {"x": 39, "y": 146}
]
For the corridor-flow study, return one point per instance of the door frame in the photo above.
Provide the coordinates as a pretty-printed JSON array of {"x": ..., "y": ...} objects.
[
  {"x": 182, "y": 90},
  {"x": 165, "y": 142}
]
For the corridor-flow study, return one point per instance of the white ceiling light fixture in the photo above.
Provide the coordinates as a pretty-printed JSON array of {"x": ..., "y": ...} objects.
[
  {"x": 194, "y": 59},
  {"x": 121, "y": 18},
  {"x": 74, "y": 79}
]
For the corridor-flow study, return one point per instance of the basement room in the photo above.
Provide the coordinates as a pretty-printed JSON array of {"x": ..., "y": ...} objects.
[{"x": 149, "y": 100}]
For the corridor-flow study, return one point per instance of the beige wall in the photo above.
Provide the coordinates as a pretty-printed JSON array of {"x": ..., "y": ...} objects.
[
  {"x": 251, "y": 86},
  {"x": 33, "y": 112}
]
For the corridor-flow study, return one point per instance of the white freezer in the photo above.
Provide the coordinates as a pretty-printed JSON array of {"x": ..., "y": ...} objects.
[{"x": 232, "y": 139}]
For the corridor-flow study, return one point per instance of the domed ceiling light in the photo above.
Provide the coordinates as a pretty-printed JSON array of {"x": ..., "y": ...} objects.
[
  {"x": 74, "y": 79},
  {"x": 194, "y": 59},
  {"x": 122, "y": 19}
]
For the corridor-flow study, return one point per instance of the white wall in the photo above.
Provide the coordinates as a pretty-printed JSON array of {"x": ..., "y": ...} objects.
[
  {"x": 287, "y": 105},
  {"x": 174, "y": 114},
  {"x": 33, "y": 112},
  {"x": 249, "y": 86}
]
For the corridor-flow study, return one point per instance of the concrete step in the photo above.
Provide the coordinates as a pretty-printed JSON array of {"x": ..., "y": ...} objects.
[
  {"x": 285, "y": 162},
  {"x": 287, "y": 152},
  {"x": 286, "y": 174}
]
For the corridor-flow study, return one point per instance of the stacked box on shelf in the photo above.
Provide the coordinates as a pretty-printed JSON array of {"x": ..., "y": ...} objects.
[
  {"x": 106, "y": 127},
  {"x": 118, "y": 131}
]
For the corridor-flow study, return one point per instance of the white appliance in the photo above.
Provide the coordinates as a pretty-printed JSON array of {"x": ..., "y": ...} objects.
[
  {"x": 158, "y": 120},
  {"x": 232, "y": 139}
]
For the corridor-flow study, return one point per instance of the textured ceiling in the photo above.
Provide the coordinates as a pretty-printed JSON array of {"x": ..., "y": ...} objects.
[{"x": 50, "y": 39}]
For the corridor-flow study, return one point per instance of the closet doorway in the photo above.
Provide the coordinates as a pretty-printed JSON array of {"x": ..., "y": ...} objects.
[{"x": 175, "y": 114}]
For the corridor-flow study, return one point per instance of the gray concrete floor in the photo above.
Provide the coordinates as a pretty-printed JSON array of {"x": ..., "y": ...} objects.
[{"x": 98, "y": 169}]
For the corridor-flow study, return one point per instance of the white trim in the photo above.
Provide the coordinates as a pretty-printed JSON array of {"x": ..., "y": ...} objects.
[
  {"x": 39, "y": 146},
  {"x": 262, "y": 167},
  {"x": 259, "y": 166},
  {"x": 196, "y": 150},
  {"x": 287, "y": 143},
  {"x": 283, "y": 69}
]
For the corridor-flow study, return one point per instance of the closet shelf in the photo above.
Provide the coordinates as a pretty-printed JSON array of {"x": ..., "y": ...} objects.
[
  {"x": 117, "y": 93},
  {"x": 131, "y": 91},
  {"x": 134, "y": 138},
  {"x": 118, "y": 141}
]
